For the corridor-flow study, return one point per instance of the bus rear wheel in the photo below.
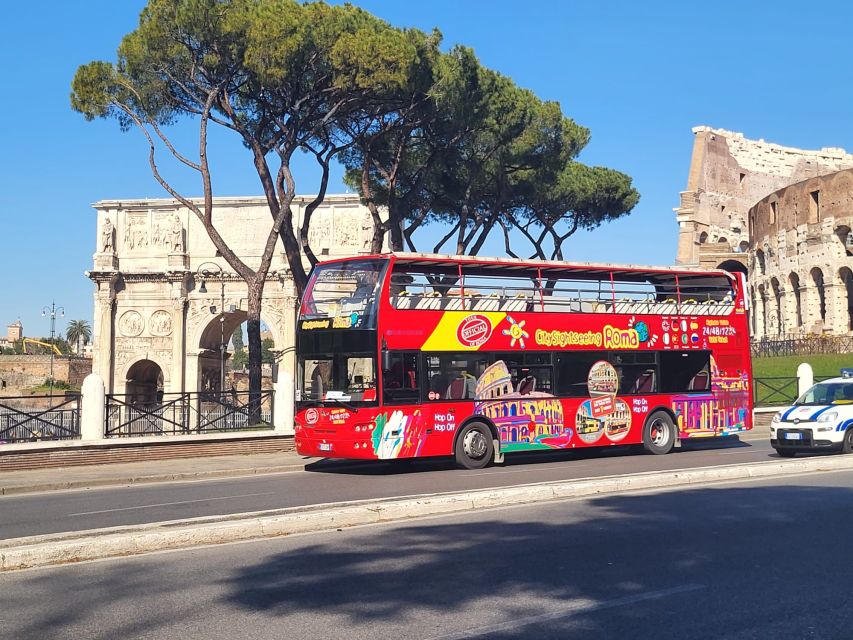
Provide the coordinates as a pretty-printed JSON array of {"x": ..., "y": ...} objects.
[
  {"x": 474, "y": 446},
  {"x": 659, "y": 433}
]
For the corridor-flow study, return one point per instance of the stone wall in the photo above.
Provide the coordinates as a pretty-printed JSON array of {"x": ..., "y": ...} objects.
[
  {"x": 728, "y": 175},
  {"x": 802, "y": 255},
  {"x": 20, "y": 372}
]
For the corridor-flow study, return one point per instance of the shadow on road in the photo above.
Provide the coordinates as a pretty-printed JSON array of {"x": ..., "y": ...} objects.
[
  {"x": 425, "y": 465},
  {"x": 704, "y": 563}
]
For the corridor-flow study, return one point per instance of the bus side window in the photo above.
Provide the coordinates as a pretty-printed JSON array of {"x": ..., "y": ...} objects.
[{"x": 400, "y": 377}]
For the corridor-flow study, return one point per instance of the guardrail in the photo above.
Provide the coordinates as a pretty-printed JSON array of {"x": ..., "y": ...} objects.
[
  {"x": 779, "y": 390},
  {"x": 187, "y": 413},
  {"x": 36, "y": 418},
  {"x": 801, "y": 346}
]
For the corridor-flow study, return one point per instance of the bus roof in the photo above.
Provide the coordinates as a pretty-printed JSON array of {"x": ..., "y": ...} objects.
[{"x": 512, "y": 264}]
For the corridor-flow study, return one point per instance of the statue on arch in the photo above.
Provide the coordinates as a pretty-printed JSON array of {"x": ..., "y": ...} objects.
[
  {"x": 177, "y": 235},
  {"x": 107, "y": 236}
]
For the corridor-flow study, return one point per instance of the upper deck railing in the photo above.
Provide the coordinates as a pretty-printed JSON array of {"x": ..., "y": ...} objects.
[{"x": 502, "y": 287}]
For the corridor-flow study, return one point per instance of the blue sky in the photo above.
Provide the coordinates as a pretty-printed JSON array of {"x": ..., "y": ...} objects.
[{"x": 638, "y": 74}]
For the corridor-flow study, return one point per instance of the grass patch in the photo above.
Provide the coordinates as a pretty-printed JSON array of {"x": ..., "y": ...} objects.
[{"x": 824, "y": 365}]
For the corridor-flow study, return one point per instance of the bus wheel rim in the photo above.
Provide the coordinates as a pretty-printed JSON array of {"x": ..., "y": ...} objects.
[
  {"x": 475, "y": 444},
  {"x": 659, "y": 433}
]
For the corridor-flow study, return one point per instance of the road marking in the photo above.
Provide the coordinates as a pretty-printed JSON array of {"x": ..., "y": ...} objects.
[
  {"x": 170, "y": 504},
  {"x": 578, "y": 607}
]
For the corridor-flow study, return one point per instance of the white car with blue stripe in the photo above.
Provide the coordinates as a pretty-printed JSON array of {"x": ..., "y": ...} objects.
[{"x": 820, "y": 420}]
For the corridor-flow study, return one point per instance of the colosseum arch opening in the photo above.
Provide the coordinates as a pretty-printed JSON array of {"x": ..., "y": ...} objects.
[
  {"x": 846, "y": 276},
  {"x": 794, "y": 279},
  {"x": 819, "y": 296}
]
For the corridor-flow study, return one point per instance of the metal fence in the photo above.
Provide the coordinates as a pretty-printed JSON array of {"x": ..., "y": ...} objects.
[
  {"x": 34, "y": 418},
  {"x": 186, "y": 413},
  {"x": 801, "y": 346},
  {"x": 780, "y": 390}
]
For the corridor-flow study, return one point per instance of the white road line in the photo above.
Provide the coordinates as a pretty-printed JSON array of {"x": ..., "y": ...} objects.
[
  {"x": 577, "y": 607},
  {"x": 169, "y": 504}
]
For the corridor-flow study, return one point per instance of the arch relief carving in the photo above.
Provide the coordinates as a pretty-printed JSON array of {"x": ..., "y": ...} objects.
[
  {"x": 160, "y": 323},
  {"x": 131, "y": 323}
]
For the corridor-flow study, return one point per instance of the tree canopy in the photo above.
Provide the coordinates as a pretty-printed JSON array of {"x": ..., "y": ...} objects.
[{"x": 426, "y": 136}]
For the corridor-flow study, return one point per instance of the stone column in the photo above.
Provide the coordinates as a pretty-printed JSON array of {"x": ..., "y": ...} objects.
[
  {"x": 178, "y": 296},
  {"x": 836, "y": 307},
  {"x": 285, "y": 385},
  {"x": 758, "y": 309},
  {"x": 103, "y": 331}
]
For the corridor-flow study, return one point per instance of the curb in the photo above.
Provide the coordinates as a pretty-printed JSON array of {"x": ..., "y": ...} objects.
[
  {"x": 63, "y": 548},
  {"x": 165, "y": 477}
]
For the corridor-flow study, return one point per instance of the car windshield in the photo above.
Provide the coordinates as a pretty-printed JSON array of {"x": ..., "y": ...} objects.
[{"x": 828, "y": 393}]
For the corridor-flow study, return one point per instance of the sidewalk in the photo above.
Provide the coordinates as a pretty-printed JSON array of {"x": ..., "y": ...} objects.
[{"x": 78, "y": 477}]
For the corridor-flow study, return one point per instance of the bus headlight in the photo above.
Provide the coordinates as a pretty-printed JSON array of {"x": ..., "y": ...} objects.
[
  {"x": 828, "y": 417},
  {"x": 777, "y": 417}
]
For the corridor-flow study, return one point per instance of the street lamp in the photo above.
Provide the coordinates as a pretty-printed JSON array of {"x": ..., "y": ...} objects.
[
  {"x": 52, "y": 310},
  {"x": 208, "y": 270}
]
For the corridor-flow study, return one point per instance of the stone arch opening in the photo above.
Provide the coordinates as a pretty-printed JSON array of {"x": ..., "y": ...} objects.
[
  {"x": 846, "y": 276},
  {"x": 817, "y": 279},
  {"x": 777, "y": 299},
  {"x": 794, "y": 279},
  {"x": 762, "y": 307},
  {"x": 846, "y": 238},
  {"x": 759, "y": 260},
  {"x": 732, "y": 266},
  {"x": 144, "y": 383},
  {"x": 218, "y": 346}
]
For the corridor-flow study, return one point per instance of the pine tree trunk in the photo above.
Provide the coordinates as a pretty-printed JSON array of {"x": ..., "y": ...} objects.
[{"x": 254, "y": 330}]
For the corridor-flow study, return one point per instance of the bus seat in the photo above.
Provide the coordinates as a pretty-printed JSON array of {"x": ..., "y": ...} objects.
[
  {"x": 699, "y": 382},
  {"x": 456, "y": 390},
  {"x": 527, "y": 385},
  {"x": 489, "y": 303},
  {"x": 518, "y": 303},
  {"x": 430, "y": 301},
  {"x": 403, "y": 300},
  {"x": 645, "y": 382}
]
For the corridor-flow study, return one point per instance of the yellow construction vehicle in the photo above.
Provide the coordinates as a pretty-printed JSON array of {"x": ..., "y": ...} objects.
[{"x": 47, "y": 345}]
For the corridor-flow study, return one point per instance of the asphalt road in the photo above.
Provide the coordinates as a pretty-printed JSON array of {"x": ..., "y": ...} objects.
[
  {"x": 747, "y": 560},
  {"x": 77, "y": 510}
]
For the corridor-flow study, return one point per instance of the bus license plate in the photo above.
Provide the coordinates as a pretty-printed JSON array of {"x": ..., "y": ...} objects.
[
  {"x": 790, "y": 436},
  {"x": 325, "y": 446}
]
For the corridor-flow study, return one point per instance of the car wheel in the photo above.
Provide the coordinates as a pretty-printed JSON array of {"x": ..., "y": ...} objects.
[
  {"x": 847, "y": 447},
  {"x": 659, "y": 433},
  {"x": 786, "y": 453},
  {"x": 474, "y": 447}
]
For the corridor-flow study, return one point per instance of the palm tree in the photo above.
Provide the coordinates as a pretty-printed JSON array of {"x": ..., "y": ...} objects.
[{"x": 78, "y": 330}]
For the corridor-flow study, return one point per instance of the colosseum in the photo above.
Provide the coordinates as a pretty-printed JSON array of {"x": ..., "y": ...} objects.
[{"x": 783, "y": 216}]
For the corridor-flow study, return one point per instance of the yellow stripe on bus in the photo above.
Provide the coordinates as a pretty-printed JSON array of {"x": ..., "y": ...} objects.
[{"x": 444, "y": 336}]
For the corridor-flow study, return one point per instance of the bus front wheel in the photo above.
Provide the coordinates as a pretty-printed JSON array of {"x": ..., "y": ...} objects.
[
  {"x": 474, "y": 446},
  {"x": 659, "y": 433}
]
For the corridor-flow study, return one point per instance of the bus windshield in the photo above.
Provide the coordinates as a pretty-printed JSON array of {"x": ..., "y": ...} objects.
[
  {"x": 342, "y": 378},
  {"x": 342, "y": 295}
]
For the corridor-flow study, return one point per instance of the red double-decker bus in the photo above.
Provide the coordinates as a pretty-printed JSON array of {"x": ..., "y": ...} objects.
[{"x": 409, "y": 355}]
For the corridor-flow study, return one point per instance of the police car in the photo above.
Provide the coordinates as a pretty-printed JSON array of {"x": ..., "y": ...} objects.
[{"x": 820, "y": 420}]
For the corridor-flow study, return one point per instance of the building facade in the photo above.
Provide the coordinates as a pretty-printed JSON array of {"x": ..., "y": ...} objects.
[
  {"x": 159, "y": 320},
  {"x": 802, "y": 255},
  {"x": 795, "y": 263}
]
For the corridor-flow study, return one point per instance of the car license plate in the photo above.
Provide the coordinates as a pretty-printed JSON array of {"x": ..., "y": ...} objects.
[
  {"x": 790, "y": 436},
  {"x": 325, "y": 446}
]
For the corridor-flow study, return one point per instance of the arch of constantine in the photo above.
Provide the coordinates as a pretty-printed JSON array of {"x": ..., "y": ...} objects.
[{"x": 156, "y": 328}]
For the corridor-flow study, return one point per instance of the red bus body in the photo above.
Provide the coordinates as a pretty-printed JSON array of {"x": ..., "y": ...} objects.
[{"x": 550, "y": 364}]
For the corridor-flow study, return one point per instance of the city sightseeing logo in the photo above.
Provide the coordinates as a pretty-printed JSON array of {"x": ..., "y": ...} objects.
[
  {"x": 516, "y": 332},
  {"x": 474, "y": 330}
]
